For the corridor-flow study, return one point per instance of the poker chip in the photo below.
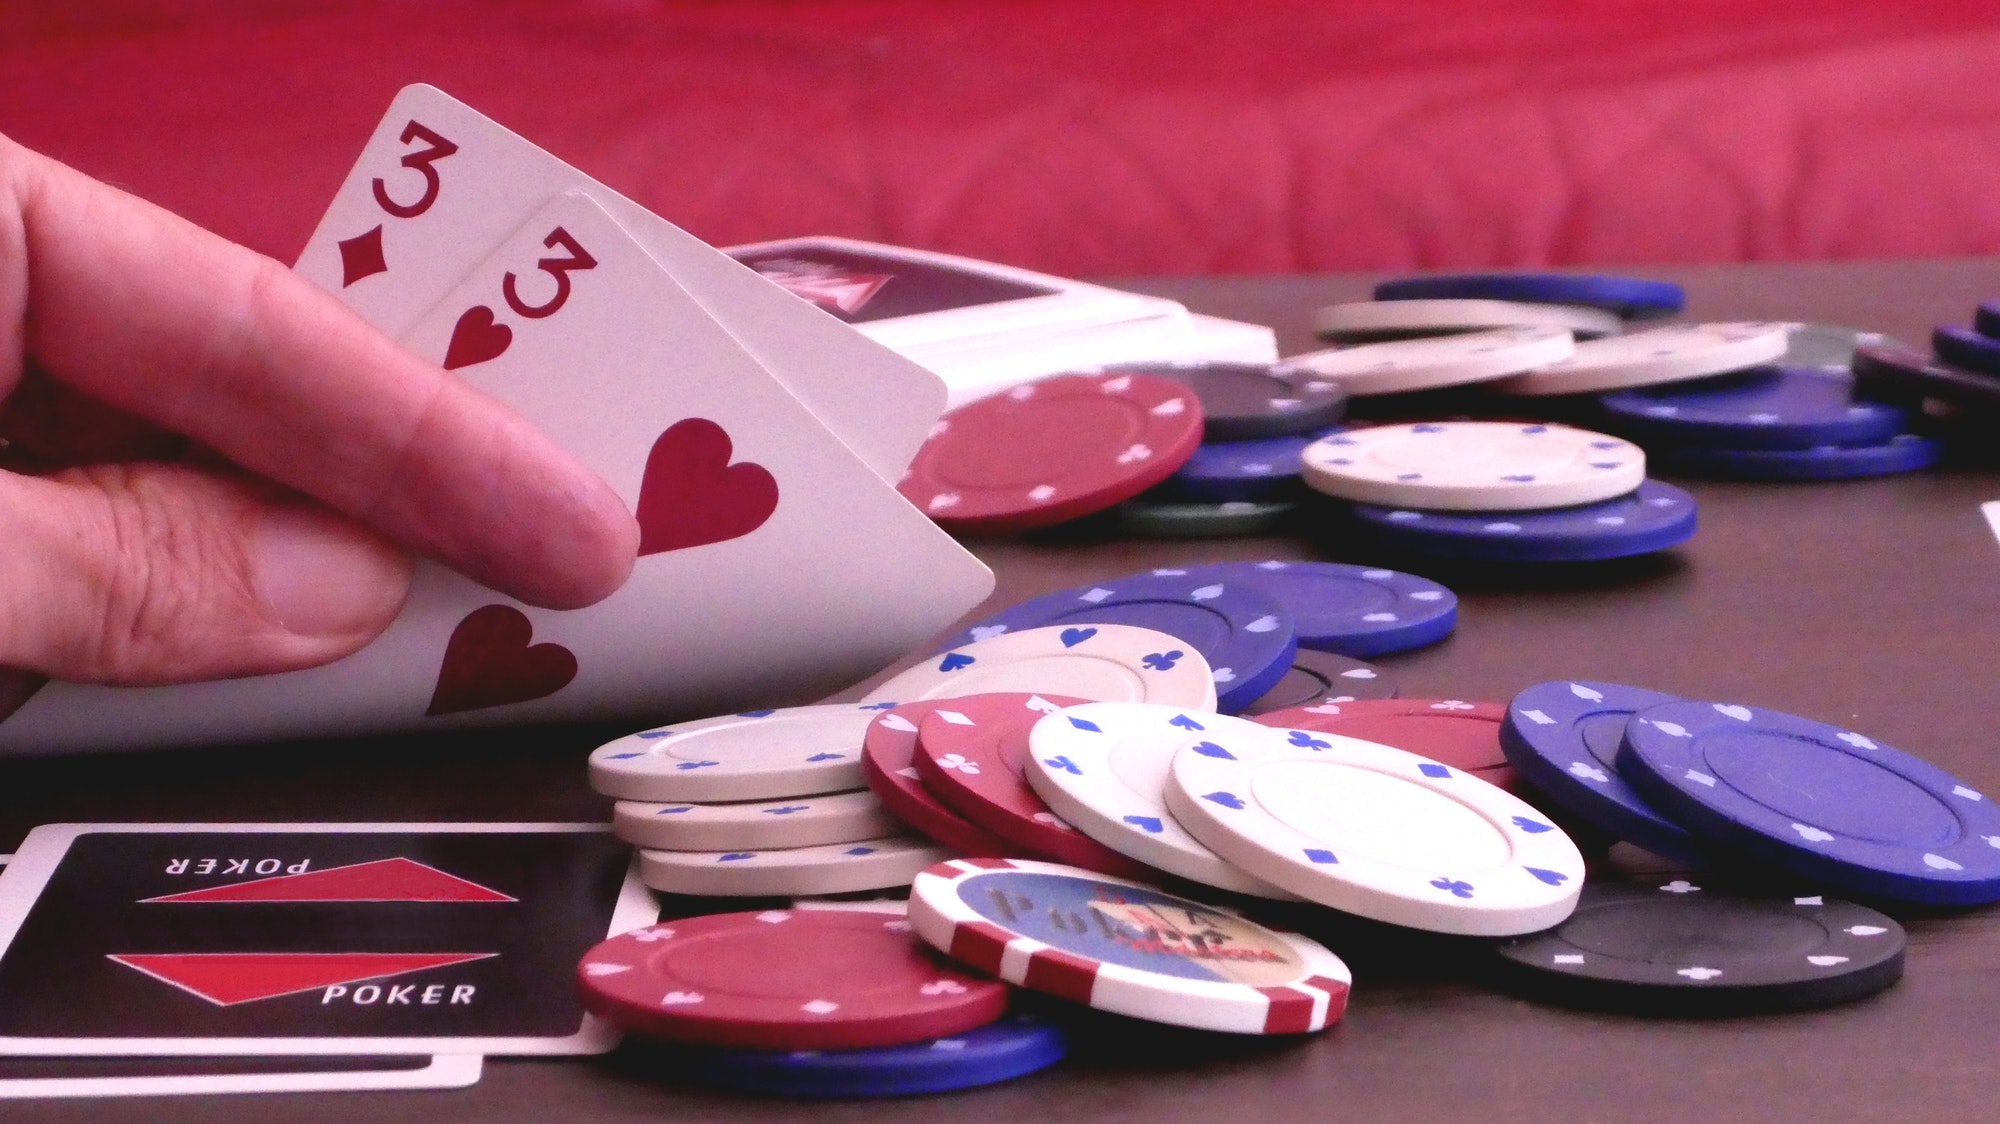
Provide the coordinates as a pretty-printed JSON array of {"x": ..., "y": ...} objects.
[
  {"x": 1653, "y": 518},
  {"x": 756, "y": 755},
  {"x": 1352, "y": 610},
  {"x": 1564, "y": 736},
  {"x": 1463, "y": 735},
  {"x": 1368, "y": 321},
  {"x": 1474, "y": 466},
  {"x": 1015, "y": 1046},
  {"x": 833, "y": 868},
  {"x": 973, "y": 756},
  {"x": 1239, "y": 471},
  {"x": 1905, "y": 452},
  {"x": 1243, "y": 633},
  {"x": 1890, "y": 370},
  {"x": 1827, "y": 803},
  {"x": 1103, "y": 767},
  {"x": 1249, "y": 401},
  {"x": 1986, "y": 321},
  {"x": 1323, "y": 677},
  {"x": 1675, "y": 947},
  {"x": 1430, "y": 362},
  {"x": 831, "y": 979},
  {"x": 1045, "y": 452},
  {"x": 1762, "y": 408},
  {"x": 1127, "y": 948},
  {"x": 888, "y": 756},
  {"x": 1630, "y": 297},
  {"x": 1099, "y": 663},
  {"x": 1232, "y": 519},
  {"x": 805, "y": 821},
  {"x": 1964, "y": 347},
  {"x": 1660, "y": 355},
  {"x": 1376, "y": 831}
]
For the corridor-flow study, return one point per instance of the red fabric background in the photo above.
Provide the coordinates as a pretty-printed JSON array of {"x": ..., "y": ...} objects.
[{"x": 1088, "y": 137}]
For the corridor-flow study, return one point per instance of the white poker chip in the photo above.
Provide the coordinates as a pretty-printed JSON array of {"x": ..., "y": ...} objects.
[
  {"x": 1103, "y": 767},
  {"x": 1370, "y": 319},
  {"x": 1473, "y": 466},
  {"x": 803, "y": 821},
  {"x": 1675, "y": 353},
  {"x": 835, "y": 868},
  {"x": 757, "y": 755},
  {"x": 1376, "y": 831},
  {"x": 1437, "y": 361},
  {"x": 1099, "y": 662}
]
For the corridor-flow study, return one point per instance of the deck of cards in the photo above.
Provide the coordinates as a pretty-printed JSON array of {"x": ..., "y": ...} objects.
[
  {"x": 756, "y": 438},
  {"x": 984, "y": 327}
]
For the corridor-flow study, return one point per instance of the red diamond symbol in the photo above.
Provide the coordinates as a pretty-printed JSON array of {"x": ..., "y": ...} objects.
[{"x": 361, "y": 256}]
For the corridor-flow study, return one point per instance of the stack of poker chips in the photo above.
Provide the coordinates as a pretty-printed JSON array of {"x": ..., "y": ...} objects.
[{"x": 1958, "y": 381}]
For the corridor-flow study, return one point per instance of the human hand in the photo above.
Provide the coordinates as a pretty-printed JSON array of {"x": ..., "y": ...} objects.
[{"x": 213, "y": 469}]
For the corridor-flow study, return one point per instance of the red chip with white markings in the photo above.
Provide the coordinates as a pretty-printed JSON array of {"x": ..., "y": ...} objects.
[
  {"x": 972, "y": 753},
  {"x": 822, "y": 979},
  {"x": 1463, "y": 735},
  {"x": 888, "y": 758},
  {"x": 1047, "y": 452},
  {"x": 1127, "y": 948}
]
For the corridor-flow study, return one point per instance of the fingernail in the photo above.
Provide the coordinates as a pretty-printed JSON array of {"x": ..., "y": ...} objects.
[{"x": 324, "y": 576}]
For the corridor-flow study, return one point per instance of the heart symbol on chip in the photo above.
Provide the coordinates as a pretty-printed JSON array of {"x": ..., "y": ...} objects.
[
  {"x": 1071, "y": 637},
  {"x": 1226, "y": 799},
  {"x": 476, "y": 338},
  {"x": 489, "y": 662},
  {"x": 954, "y": 661},
  {"x": 896, "y": 722},
  {"x": 692, "y": 496}
]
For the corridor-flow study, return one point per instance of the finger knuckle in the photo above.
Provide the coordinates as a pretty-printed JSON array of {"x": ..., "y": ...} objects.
[{"x": 159, "y": 563}]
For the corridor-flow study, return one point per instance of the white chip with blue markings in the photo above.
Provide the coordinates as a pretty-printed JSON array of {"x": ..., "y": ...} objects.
[
  {"x": 1099, "y": 662},
  {"x": 1473, "y": 466},
  {"x": 1103, "y": 767},
  {"x": 796, "y": 821},
  {"x": 1375, "y": 831},
  {"x": 756, "y": 755}
]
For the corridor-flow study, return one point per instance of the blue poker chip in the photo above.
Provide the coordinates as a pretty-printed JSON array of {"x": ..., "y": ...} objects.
[
  {"x": 1564, "y": 738},
  {"x": 1244, "y": 632},
  {"x": 1653, "y": 518},
  {"x": 1013, "y": 1047},
  {"x": 1964, "y": 347},
  {"x": 1823, "y": 802},
  {"x": 1782, "y": 407},
  {"x": 1905, "y": 452},
  {"x": 1234, "y": 471},
  {"x": 1357, "y": 611},
  {"x": 1987, "y": 320},
  {"x": 1633, "y": 298}
]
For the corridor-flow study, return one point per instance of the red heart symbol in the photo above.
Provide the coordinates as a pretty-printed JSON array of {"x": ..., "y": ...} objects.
[
  {"x": 489, "y": 662},
  {"x": 691, "y": 495},
  {"x": 476, "y": 338}
]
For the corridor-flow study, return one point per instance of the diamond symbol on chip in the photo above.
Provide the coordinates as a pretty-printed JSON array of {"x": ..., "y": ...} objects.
[
  {"x": 1865, "y": 930},
  {"x": 1116, "y": 386},
  {"x": 1814, "y": 835},
  {"x": 1135, "y": 454},
  {"x": 681, "y": 998},
  {"x": 605, "y": 969},
  {"x": 1427, "y": 595},
  {"x": 1939, "y": 862},
  {"x": 1567, "y": 958},
  {"x": 1965, "y": 793},
  {"x": 1264, "y": 624},
  {"x": 1825, "y": 961},
  {"x": 820, "y": 1007},
  {"x": 1041, "y": 493},
  {"x": 943, "y": 500},
  {"x": 1378, "y": 618},
  {"x": 1700, "y": 973},
  {"x": 1172, "y": 407},
  {"x": 1858, "y": 741}
]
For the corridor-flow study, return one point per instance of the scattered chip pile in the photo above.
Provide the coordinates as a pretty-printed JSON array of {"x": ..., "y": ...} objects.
[
  {"x": 1110, "y": 795},
  {"x": 1958, "y": 380}
]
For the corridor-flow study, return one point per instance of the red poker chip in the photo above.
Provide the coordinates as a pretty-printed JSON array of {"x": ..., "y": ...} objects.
[
  {"x": 821, "y": 979},
  {"x": 888, "y": 759},
  {"x": 1463, "y": 735},
  {"x": 1047, "y": 452},
  {"x": 972, "y": 753}
]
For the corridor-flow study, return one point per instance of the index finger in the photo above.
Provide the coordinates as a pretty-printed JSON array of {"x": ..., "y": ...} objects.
[{"x": 149, "y": 313}]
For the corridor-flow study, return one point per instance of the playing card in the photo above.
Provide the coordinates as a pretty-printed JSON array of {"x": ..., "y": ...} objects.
[
  {"x": 208, "y": 940},
  {"x": 774, "y": 564},
  {"x": 439, "y": 186},
  {"x": 44, "y": 1078},
  {"x": 905, "y": 298}
]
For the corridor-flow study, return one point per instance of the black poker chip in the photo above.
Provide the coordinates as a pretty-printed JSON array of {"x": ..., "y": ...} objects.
[
  {"x": 1323, "y": 677},
  {"x": 1253, "y": 401},
  {"x": 1677, "y": 947}
]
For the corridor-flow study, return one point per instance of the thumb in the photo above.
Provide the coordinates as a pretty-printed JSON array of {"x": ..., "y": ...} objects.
[{"x": 159, "y": 573}]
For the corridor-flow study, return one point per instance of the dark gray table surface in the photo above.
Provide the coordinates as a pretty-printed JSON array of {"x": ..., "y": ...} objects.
[{"x": 1874, "y": 604}]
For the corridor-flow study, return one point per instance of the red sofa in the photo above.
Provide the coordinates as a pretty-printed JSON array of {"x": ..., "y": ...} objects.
[{"x": 1087, "y": 137}]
